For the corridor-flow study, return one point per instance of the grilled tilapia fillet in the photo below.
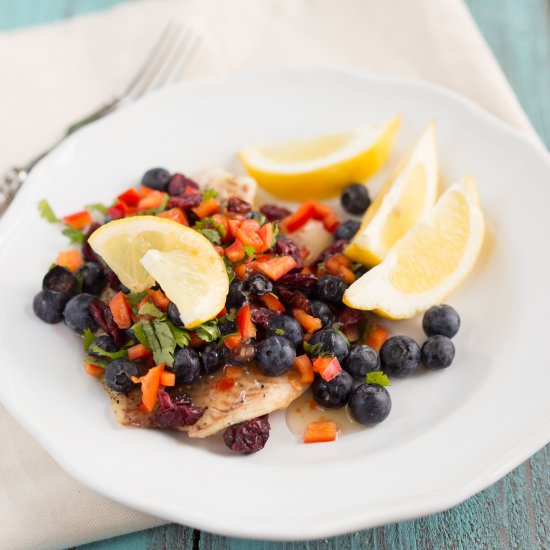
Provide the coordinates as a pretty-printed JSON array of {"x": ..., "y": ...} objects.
[
  {"x": 226, "y": 184},
  {"x": 253, "y": 395}
]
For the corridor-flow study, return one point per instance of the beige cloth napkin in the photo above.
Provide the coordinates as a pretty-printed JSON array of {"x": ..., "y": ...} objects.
[{"x": 55, "y": 73}]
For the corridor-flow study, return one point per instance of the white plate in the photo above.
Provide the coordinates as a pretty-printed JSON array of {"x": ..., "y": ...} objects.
[{"x": 450, "y": 433}]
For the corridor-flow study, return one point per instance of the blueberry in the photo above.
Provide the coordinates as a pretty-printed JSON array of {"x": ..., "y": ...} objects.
[
  {"x": 328, "y": 341},
  {"x": 258, "y": 284},
  {"x": 48, "y": 306},
  {"x": 124, "y": 289},
  {"x": 330, "y": 288},
  {"x": 361, "y": 359},
  {"x": 118, "y": 375},
  {"x": 333, "y": 394},
  {"x": 93, "y": 278},
  {"x": 156, "y": 178},
  {"x": 347, "y": 230},
  {"x": 399, "y": 356},
  {"x": 173, "y": 315},
  {"x": 60, "y": 279},
  {"x": 77, "y": 313},
  {"x": 243, "y": 354},
  {"x": 370, "y": 403},
  {"x": 321, "y": 311},
  {"x": 212, "y": 358},
  {"x": 227, "y": 326},
  {"x": 437, "y": 352},
  {"x": 287, "y": 327},
  {"x": 442, "y": 320},
  {"x": 275, "y": 355},
  {"x": 106, "y": 343},
  {"x": 235, "y": 297},
  {"x": 187, "y": 366},
  {"x": 355, "y": 199}
]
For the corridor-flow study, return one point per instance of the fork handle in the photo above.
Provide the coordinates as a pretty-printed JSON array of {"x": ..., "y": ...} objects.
[{"x": 13, "y": 178}]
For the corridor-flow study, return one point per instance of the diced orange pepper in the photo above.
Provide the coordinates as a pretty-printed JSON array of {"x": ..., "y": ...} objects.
[
  {"x": 309, "y": 323},
  {"x": 159, "y": 298},
  {"x": 222, "y": 221},
  {"x": 130, "y": 197},
  {"x": 175, "y": 214},
  {"x": 94, "y": 370},
  {"x": 376, "y": 335},
  {"x": 347, "y": 274},
  {"x": 241, "y": 270},
  {"x": 276, "y": 267},
  {"x": 154, "y": 199},
  {"x": 320, "y": 432},
  {"x": 139, "y": 351},
  {"x": 167, "y": 378},
  {"x": 272, "y": 303},
  {"x": 144, "y": 190},
  {"x": 150, "y": 384},
  {"x": 207, "y": 208},
  {"x": 307, "y": 270},
  {"x": 303, "y": 365},
  {"x": 231, "y": 341},
  {"x": 233, "y": 225},
  {"x": 233, "y": 372},
  {"x": 225, "y": 384},
  {"x": 235, "y": 251},
  {"x": 266, "y": 234},
  {"x": 327, "y": 367},
  {"x": 71, "y": 259},
  {"x": 78, "y": 220},
  {"x": 121, "y": 310}
]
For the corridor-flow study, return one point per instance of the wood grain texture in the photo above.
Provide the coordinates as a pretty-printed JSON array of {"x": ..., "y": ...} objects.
[{"x": 513, "y": 513}]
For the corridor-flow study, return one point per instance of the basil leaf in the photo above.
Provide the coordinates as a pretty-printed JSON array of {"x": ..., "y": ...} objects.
[
  {"x": 150, "y": 309},
  {"x": 211, "y": 234},
  {"x": 135, "y": 297},
  {"x": 209, "y": 332},
  {"x": 166, "y": 341},
  {"x": 46, "y": 211},
  {"x": 181, "y": 336},
  {"x": 139, "y": 333}
]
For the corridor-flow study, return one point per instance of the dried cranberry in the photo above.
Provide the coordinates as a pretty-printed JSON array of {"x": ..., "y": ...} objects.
[
  {"x": 172, "y": 413},
  {"x": 238, "y": 205},
  {"x": 187, "y": 200},
  {"x": 287, "y": 247},
  {"x": 87, "y": 251},
  {"x": 261, "y": 316},
  {"x": 347, "y": 316},
  {"x": 293, "y": 299},
  {"x": 274, "y": 213},
  {"x": 304, "y": 281},
  {"x": 179, "y": 183},
  {"x": 337, "y": 247},
  {"x": 248, "y": 437},
  {"x": 104, "y": 318}
]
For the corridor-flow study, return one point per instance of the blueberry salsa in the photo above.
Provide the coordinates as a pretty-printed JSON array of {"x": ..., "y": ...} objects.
[{"x": 282, "y": 316}]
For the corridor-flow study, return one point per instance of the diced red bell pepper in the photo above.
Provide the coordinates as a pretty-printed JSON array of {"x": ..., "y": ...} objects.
[
  {"x": 139, "y": 351},
  {"x": 276, "y": 267},
  {"x": 117, "y": 211},
  {"x": 249, "y": 234},
  {"x": 231, "y": 341},
  {"x": 225, "y": 384},
  {"x": 78, "y": 220},
  {"x": 154, "y": 199},
  {"x": 309, "y": 323},
  {"x": 175, "y": 214},
  {"x": 303, "y": 365},
  {"x": 327, "y": 367},
  {"x": 242, "y": 270},
  {"x": 272, "y": 302},
  {"x": 219, "y": 249},
  {"x": 150, "y": 384},
  {"x": 299, "y": 218},
  {"x": 222, "y": 221},
  {"x": 235, "y": 251},
  {"x": 233, "y": 226},
  {"x": 266, "y": 233},
  {"x": 222, "y": 312},
  {"x": 159, "y": 298},
  {"x": 121, "y": 310},
  {"x": 321, "y": 432},
  {"x": 130, "y": 197},
  {"x": 245, "y": 325},
  {"x": 71, "y": 259},
  {"x": 207, "y": 208}
]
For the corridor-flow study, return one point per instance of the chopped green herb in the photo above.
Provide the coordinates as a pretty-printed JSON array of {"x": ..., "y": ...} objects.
[
  {"x": 211, "y": 223},
  {"x": 150, "y": 309},
  {"x": 97, "y": 207},
  {"x": 258, "y": 216},
  {"x": 313, "y": 349},
  {"x": 167, "y": 342},
  {"x": 180, "y": 335},
  {"x": 276, "y": 232},
  {"x": 250, "y": 252},
  {"x": 212, "y": 235},
  {"x": 75, "y": 235},
  {"x": 46, "y": 211},
  {"x": 209, "y": 331},
  {"x": 229, "y": 268},
  {"x": 161, "y": 208},
  {"x": 280, "y": 332},
  {"x": 110, "y": 354},
  {"x": 378, "y": 377},
  {"x": 135, "y": 297},
  {"x": 231, "y": 316},
  {"x": 88, "y": 338},
  {"x": 97, "y": 361},
  {"x": 209, "y": 194},
  {"x": 79, "y": 283},
  {"x": 139, "y": 333}
]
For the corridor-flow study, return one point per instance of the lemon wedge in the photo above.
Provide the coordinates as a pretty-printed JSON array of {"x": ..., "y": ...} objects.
[
  {"x": 405, "y": 199},
  {"x": 319, "y": 168},
  {"x": 429, "y": 262},
  {"x": 145, "y": 249}
]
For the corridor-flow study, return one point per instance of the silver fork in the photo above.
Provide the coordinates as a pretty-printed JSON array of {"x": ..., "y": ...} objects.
[{"x": 166, "y": 62}]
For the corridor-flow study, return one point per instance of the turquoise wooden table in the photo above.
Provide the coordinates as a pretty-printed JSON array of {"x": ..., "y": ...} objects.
[{"x": 513, "y": 513}]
